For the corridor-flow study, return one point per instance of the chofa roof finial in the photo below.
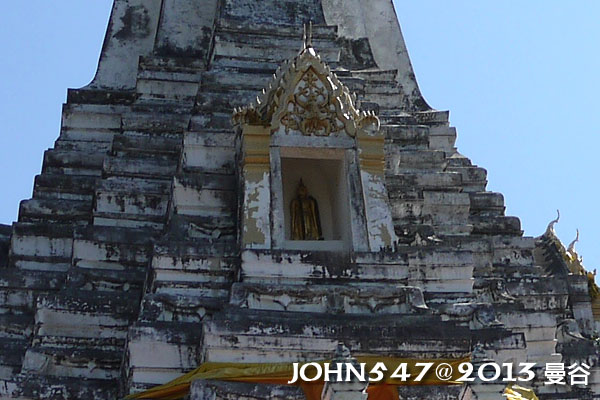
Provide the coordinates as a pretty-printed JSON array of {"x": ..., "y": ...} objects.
[
  {"x": 307, "y": 37},
  {"x": 571, "y": 248},
  {"x": 550, "y": 228}
]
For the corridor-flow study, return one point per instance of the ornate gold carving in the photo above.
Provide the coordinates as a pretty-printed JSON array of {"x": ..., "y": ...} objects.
[
  {"x": 310, "y": 109},
  {"x": 306, "y": 96}
]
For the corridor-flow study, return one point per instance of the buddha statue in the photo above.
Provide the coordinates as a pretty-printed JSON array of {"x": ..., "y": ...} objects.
[{"x": 304, "y": 212}]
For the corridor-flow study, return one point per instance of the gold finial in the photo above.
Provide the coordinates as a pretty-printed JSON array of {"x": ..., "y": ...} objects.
[
  {"x": 307, "y": 37},
  {"x": 571, "y": 248}
]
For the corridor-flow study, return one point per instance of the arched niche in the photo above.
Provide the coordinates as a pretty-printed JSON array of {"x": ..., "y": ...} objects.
[{"x": 305, "y": 125}]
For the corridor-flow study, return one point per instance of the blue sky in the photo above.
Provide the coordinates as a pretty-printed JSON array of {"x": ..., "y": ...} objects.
[{"x": 520, "y": 78}]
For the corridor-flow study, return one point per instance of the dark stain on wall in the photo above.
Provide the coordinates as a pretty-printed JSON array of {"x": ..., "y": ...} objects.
[{"x": 136, "y": 24}]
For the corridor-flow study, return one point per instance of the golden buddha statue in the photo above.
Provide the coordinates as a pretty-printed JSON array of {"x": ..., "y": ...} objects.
[{"x": 304, "y": 212}]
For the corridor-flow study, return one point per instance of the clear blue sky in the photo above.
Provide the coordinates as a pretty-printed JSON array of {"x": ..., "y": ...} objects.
[{"x": 521, "y": 79}]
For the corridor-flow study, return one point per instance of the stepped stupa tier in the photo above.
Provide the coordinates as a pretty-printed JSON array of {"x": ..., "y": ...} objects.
[{"x": 260, "y": 181}]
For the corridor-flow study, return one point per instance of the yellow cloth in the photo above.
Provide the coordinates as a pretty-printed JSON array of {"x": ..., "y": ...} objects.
[
  {"x": 281, "y": 374},
  {"x": 515, "y": 392}
]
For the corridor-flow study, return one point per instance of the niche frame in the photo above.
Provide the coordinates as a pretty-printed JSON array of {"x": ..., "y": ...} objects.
[{"x": 307, "y": 112}]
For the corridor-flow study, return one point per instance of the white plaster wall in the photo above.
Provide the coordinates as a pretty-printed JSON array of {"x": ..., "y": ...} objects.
[
  {"x": 131, "y": 32},
  {"x": 377, "y": 21},
  {"x": 185, "y": 25}
]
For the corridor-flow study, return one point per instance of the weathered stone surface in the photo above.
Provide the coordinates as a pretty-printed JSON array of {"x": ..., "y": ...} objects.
[
  {"x": 215, "y": 390},
  {"x": 5, "y": 233}
]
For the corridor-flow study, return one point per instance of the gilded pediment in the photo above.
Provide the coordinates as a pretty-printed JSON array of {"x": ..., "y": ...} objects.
[{"x": 306, "y": 97}]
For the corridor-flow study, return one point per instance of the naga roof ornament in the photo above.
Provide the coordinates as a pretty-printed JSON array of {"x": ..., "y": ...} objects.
[
  {"x": 571, "y": 258},
  {"x": 304, "y": 95}
]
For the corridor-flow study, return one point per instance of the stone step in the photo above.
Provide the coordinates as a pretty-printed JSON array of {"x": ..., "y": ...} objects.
[
  {"x": 273, "y": 43},
  {"x": 376, "y": 76},
  {"x": 56, "y": 211},
  {"x": 395, "y": 115},
  {"x": 201, "y": 390},
  {"x": 80, "y": 333},
  {"x": 12, "y": 352},
  {"x": 189, "y": 270},
  {"x": 458, "y": 160},
  {"x": 211, "y": 122},
  {"x": 90, "y": 116},
  {"x": 201, "y": 255},
  {"x": 112, "y": 248},
  {"x": 254, "y": 80},
  {"x": 387, "y": 98},
  {"x": 64, "y": 187},
  {"x": 400, "y": 161},
  {"x": 176, "y": 111},
  {"x": 57, "y": 388},
  {"x": 262, "y": 50},
  {"x": 212, "y": 230},
  {"x": 87, "y": 98},
  {"x": 73, "y": 360},
  {"x": 294, "y": 30},
  {"x": 354, "y": 84},
  {"x": 188, "y": 284},
  {"x": 125, "y": 207},
  {"x": 224, "y": 79},
  {"x": 149, "y": 167},
  {"x": 225, "y": 62},
  {"x": 119, "y": 184},
  {"x": 208, "y": 181},
  {"x": 132, "y": 202},
  {"x": 487, "y": 203},
  {"x": 186, "y": 66},
  {"x": 443, "y": 138},
  {"x": 474, "y": 178},
  {"x": 161, "y": 120},
  {"x": 210, "y": 153},
  {"x": 291, "y": 267},
  {"x": 193, "y": 199},
  {"x": 72, "y": 163},
  {"x": 104, "y": 314},
  {"x": 381, "y": 87},
  {"x": 146, "y": 145},
  {"x": 41, "y": 246},
  {"x": 174, "y": 86},
  {"x": 424, "y": 180},
  {"x": 268, "y": 336},
  {"x": 405, "y": 137},
  {"x": 502, "y": 271},
  {"x": 330, "y": 298},
  {"x": 496, "y": 225},
  {"x": 161, "y": 351},
  {"x": 165, "y": 88},
  {"x": 16, "y": 326},
  {"x": 127, "y": 281},
  {"x": 165, "y": 307},
  {"x": 90, "y": 147},
  {"x": 19, "y": 289},
  {"x": 223, "y": 101},
  {"x": 192, "y": 277},
  {"x": 446, "y": 212}
]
